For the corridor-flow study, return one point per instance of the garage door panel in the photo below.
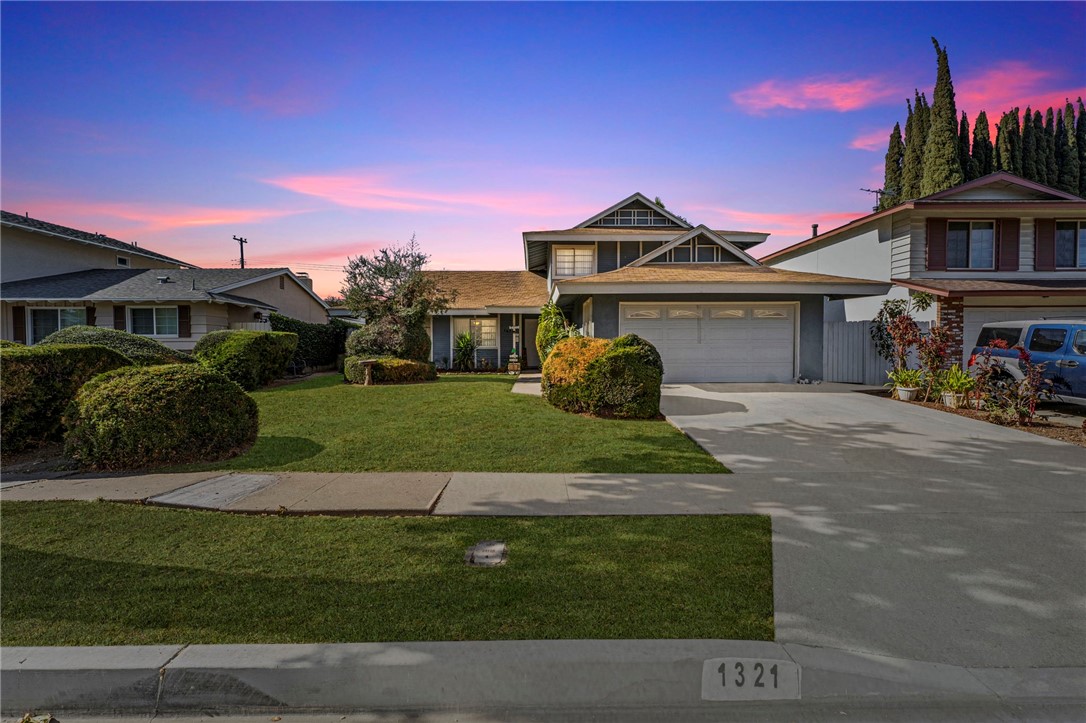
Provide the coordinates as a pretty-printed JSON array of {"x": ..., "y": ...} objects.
[{"x": 723, "y": 342}]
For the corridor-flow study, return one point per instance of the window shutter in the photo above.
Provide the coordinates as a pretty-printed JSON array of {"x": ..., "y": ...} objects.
[
  {"x": 1044, "y": 230},
  {"x": 91, "y": 318},
  {"x": 1008, "y": 244},
  {"x": 120, "y": 321},
  {"x": 936, "y": 234},
  {"x": 18, "y": 324},
  {"x": 184, "y": 321}
]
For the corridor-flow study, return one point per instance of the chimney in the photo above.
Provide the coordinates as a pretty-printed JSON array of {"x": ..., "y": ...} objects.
[
  {"x": 814, "y": 230},
  {"x": 305, "y": 279}
]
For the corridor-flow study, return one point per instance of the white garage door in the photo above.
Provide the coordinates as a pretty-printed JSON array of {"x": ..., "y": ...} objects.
[
  {"x": 718, "y": 342},
  {"x": 977, "y": 316}
]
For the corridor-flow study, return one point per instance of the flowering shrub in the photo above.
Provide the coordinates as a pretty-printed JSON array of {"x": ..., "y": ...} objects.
[
  {"x": 934, "y": 349},
  {"x": 1009, "y": 400},
  {"x": 905, "y": 334}
]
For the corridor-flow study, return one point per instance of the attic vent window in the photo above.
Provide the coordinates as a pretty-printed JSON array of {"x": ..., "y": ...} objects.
[
  {"x": 635, "y": 217},
  {"x": 123, "y": 261}
]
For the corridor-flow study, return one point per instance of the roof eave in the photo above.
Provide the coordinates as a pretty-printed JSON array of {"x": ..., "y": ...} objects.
[{"x": 635, "y": 288}]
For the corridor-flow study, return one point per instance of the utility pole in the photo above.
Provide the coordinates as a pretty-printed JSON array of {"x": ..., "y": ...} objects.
[{"x": 241, "y": 245}]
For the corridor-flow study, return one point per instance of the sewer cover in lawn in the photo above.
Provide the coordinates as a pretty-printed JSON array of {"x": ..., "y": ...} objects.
[{"x": 487, "y": 553}]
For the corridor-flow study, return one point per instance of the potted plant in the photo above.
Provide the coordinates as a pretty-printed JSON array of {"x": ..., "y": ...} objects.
[
  {"x": 956, "y": 383},
  {"x": 905, "y": 383}
]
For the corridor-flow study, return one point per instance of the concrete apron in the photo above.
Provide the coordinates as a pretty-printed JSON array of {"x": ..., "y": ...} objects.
[{"x": 507, "y": 675}]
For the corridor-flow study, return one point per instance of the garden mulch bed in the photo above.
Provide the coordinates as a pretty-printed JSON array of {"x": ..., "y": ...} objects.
[{"x": 1052, "y": 430}]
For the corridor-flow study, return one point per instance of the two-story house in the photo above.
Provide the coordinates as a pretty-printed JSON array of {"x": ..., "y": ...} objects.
[
  {"x": 998, "y": 248},
  {"x": 713, "y": 311},
  {"x": 55, "y": 276}
]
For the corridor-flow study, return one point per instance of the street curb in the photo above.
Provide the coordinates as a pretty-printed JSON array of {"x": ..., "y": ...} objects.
[{"x": 476, "y": 675}]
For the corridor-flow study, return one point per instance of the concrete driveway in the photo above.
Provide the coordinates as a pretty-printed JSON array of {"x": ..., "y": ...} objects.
[{"x": 903, "y": 531}]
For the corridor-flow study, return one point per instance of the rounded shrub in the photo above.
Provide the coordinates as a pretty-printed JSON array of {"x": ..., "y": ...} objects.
[
  {"x": 250, "y": 358},
  {"x": 389, "y": 338},
  {"x": 645, "y": 350},
  {"x": 150, "y": 416},
  {"x": 9, "y": 344},
  {"x": 39, "y": 382},
  {"x": 318, "y": 344},
  {"x": 564, "y": 370},
  {"x": 141, "y": 350},
  {"x": 389, "y": 370}
]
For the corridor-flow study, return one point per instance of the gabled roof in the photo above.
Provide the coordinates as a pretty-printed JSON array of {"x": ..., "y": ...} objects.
[
  {"x": 144, "y": 285},
  {"x": 701, "y": 230},
  {"x": 1001, "y": 178},
  {"x": 637, "y": 197},
  {"x": 14, "y": 220},
  {"x": 498, "y": 289}
]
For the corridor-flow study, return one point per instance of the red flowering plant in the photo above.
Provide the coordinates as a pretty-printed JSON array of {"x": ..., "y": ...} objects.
[
  {"x": 905, "y": 334},
  {"x": 934, "y": 350},
  {"x": 1009, "y": 400}
]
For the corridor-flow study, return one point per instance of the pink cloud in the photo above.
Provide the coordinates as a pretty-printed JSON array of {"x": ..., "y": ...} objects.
[
  {"x": 815, "y": 93},
  {"x": 786, "y": 224},
  {"x": 871, "y": 141},
  {"x": 146, "y": 217},
  {"x": 282, "y": 94},
  {"x": 1012, "y": 83}
]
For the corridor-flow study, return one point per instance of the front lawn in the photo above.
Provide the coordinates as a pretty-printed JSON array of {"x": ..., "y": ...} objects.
[
  {"x": 457, "y": 424},
  {"x": 98, "y": 573}
]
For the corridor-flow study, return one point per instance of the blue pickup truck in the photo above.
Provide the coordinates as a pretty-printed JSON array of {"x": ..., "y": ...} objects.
[{"x": 1059, "y": 344}]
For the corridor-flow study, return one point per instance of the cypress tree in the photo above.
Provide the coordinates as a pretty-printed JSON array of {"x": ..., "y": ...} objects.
[
  {"x": 1067, "y": 155},
  {"x": 942, "y": 169},
  {"x": 914, "y": 148},
  {"x": 1062, "y": 149},
  {"x": 981, "y": 162},
  {"x": 1009, "y": 144},
  {"x": 1029, "y": 147},
  {"x": 1040, "y": 141},
  {"x": 1052, "y": 171},
  {"x": 997, "y": 156},
  {"x": 963, "y": 148},
  {"x": 1080, "y": 138},
  {"x": 895, "y": 157}
]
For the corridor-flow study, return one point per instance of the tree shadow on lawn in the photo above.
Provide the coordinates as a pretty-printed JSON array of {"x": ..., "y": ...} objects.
[{"x": 268, "y": 452}]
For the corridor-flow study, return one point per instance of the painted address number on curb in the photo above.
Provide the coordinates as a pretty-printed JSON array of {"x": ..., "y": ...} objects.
[{"x": 749, "y": 679}]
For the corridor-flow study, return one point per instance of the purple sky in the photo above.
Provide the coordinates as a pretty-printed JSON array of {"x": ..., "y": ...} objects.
[{"x": 324, "y": 130}]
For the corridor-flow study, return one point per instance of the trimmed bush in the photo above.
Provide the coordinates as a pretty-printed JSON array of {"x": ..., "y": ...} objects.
[
  {"x": 151, "y": 416},
  {"x": 250, "y": 358},
  {"x": 9, "y": 344},
  {"x": 388, "y": 337},
  {"x": 389, "y": 370},
  {"x": 318, "y": 344},
  {"x": 39, "y": 382},
  {"x": 620, "y": 378},
  {"x": 141, "y": 350}
]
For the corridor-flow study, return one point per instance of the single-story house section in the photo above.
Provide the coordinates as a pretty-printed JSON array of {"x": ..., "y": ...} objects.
[
  {"x": 714, "y": 312},
  {"x": 500, "y": 309}
]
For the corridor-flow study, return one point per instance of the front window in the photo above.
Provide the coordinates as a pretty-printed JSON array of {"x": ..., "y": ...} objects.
[
  {"x": 484, "y": 332},
  {"x": 970, "y": 245},
  {"x": 1071, "y": 244},
  {"x": 574, "y": 261},
  {"x": 44, "y": 322},
  {"x": 154, "y": 321}
]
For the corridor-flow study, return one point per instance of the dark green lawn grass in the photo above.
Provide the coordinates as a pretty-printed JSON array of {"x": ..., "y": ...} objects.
[
  {"x": 98, "y": 573},
  {"x": 457, "y": 424}
]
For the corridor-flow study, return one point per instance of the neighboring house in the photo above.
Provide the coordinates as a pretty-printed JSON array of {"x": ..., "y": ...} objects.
[
  {"x": 998, "y": 248},
  {"x": 712, "y": 310},
  {"x": 55, "y": 277}
]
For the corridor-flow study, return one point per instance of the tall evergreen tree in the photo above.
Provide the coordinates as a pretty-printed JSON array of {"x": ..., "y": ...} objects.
[
  {"x": 914, "y": 149},
  {"x": 1009, "y": 144},
  {"x": 981, "y": 162},
  {"x": 1080, "y": 138},
  {"x": 1052, "y": 170},
  {"x": 1029, "y": 147},
  {"x": 942, "y": 168},
  {"x": 1067, "y": 151},
  {"x": 963, "y": 148},
  {"x": 895, "y": 157},
  {"x": 1041, "y": 142}
]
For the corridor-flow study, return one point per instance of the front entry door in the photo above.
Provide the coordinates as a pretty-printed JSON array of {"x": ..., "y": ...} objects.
[{"x": 528, "y": 330}]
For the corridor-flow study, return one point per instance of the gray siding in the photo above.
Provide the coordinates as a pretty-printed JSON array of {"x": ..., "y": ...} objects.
[
  {"x": 900, "y": 246},
  {"x": 629, "y": 251},
  {"x": 486, "y": 356},
  {"x": 606, "y": 256},
  {"x": 505, "y": 343},
  {"x": 442, "y": 341}
]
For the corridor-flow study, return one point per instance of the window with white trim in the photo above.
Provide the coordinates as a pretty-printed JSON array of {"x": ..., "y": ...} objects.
[
  {"x": 770, "y": 314},
  {"x": 728, "y": 314},
  {"x": 153, "y": 320},
  {"x": 635, "y": 313},
  {"x": 45, "y": 321},
  {"x": 970, "y": 245},
  {"x": 635, "y": 217},
  {"x": 574, "y": 261},
  {"x": 123, "y": 262},
  {"x": 484, "y": 332},
  {"x": 1071, "y": 244}
]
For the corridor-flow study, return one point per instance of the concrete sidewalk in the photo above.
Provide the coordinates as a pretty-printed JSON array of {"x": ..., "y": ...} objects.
[{"x": 529, "y": 383}]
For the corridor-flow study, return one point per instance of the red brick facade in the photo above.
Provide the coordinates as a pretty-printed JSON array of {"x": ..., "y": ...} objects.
[{"x": 951, "y": 315}]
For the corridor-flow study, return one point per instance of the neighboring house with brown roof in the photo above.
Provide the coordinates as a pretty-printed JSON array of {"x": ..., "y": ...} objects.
[
  {"x": 55, "y": 276},
  {"x": 999, "y": 248},
  {"x": 711, "y": 309}
]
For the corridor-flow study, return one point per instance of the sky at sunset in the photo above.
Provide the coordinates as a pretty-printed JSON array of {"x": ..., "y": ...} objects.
[{"x": 325, "y": 130}]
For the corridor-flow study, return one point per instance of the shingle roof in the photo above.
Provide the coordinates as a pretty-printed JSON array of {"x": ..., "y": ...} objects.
[
  {"x": 32, "y": 224},
  {"x": 1005, "y": 287},
  {"x": 479, "y": 289},
  {"x": 685, "y": 273},
  {"x": 137, "y": 285}
]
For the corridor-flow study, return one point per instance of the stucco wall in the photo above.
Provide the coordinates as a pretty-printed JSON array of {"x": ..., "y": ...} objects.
[
  {"x": 26, "y": 255},
  {"x": 292, "y": 300}
]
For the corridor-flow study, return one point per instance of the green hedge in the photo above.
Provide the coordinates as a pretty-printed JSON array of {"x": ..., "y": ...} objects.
[
  {"x": 389, "y": 370},
  {"x": 389, "y": 337},
  {"x": 9, "y": 344},
  {"x": 318, "y": 344},
  {"x": 617, "y": 379},
  {"x": 146, "y": 417},
  {"x": 141, "y": 350},
  {"x": 39, "y": 382},
  {"x": 250, "y": 358}
]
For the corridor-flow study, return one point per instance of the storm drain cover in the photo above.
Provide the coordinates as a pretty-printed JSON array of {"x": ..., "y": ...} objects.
[{"x": 487, "y": 553}]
